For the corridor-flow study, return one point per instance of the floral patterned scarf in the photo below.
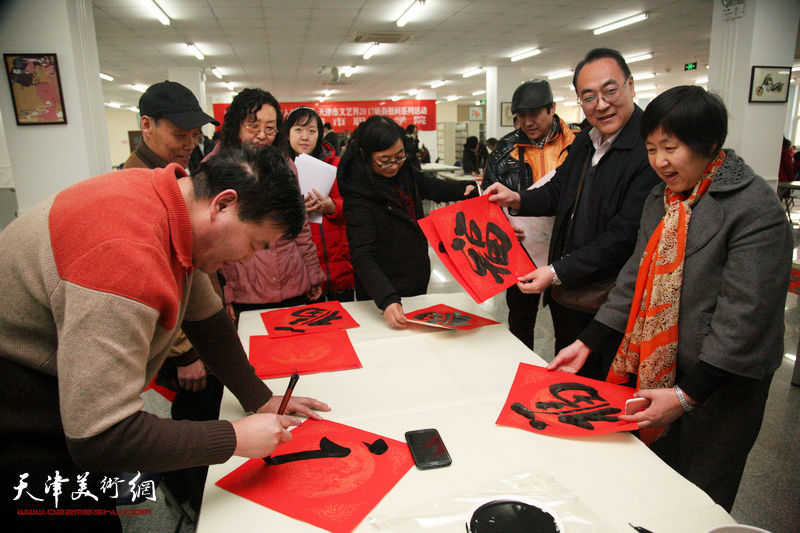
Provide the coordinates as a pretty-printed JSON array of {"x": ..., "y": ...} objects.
[{"x": 650, "y": 346}]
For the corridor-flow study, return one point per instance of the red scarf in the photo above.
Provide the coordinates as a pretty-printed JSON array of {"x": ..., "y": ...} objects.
[{"x": 650, "y": 346}]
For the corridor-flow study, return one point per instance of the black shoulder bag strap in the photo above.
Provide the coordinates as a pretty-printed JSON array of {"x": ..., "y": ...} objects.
[{"x": 584, "y": 171}]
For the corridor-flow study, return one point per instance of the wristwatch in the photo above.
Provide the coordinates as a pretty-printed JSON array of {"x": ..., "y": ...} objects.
[
  {"x": 682, "y": 399},
  {"x": 556, "y": 281}
]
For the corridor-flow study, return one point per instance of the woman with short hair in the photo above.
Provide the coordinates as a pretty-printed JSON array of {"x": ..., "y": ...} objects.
[
  {"x": 383, "y": 188},
  {"x": 699, "y": 305}
]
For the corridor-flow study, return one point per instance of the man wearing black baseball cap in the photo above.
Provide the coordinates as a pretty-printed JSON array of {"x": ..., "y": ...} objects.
[
  {"x": 171, "y": 122},
  {"x": 522, "y": 158},
  {"x": 171, "y": 119}
]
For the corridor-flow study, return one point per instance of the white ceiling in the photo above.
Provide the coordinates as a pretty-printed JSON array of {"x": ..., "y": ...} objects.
[{"x": 283, "y": 45}]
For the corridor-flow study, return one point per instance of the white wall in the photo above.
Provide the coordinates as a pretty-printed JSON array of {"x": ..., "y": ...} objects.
[
  {"x": 6, "y": 175},
  {"x": 46, "y": 159},
  {"x": 120, "y": 122},
  {"x": 447, "y": 112},
  {"x": 765, "y": 36}
]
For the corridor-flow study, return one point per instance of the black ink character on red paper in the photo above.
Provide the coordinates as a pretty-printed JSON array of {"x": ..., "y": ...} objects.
[
  {"x": 575, "y": 404},
  {"x": 311, "y": 317},
  {"x": 454, "y": 319},
  {"x": 488, "y": 255},
  {"x": 327, "y": 449}
]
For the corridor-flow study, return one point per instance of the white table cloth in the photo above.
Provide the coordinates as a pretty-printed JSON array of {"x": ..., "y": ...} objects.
[{"x": 457, "y": 382}]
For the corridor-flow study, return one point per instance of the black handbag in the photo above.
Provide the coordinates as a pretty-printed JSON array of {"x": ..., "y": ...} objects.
[{"x": 587, "y": 298}]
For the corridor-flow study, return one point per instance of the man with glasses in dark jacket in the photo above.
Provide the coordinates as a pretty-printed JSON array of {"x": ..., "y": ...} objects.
[{"x": 596, "y": 196}]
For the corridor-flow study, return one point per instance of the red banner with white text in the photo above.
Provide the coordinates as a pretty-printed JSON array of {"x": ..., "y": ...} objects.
[{"x": 348, "y": 115}]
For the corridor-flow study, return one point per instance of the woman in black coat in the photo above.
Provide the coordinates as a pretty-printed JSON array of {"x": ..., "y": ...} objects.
[{"x": 383, "y": 188}]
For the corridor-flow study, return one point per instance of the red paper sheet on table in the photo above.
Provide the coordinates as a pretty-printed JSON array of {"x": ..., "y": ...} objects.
[
  {"x": 336, "y": 476},
  {"x": 163, "y": 391},
  {"x": 305, "y": 354},
  {"x": 429, "y": 229},
  {"x": 312, "y": 318},
  {"x": 481, "y": 243},
  {"x": 565, "y": 405},
  {"x": 442, "y": 315}
]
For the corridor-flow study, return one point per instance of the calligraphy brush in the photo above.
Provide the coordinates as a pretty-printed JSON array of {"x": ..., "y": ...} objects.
[{"x": 285, "y": 401}]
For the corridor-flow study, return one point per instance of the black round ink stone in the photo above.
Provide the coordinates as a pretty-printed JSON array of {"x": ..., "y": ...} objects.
[{"x": 513, "y": 516}]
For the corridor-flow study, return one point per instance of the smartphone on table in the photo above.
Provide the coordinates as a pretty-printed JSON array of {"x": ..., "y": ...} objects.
[{"x": 427, "y": 448}]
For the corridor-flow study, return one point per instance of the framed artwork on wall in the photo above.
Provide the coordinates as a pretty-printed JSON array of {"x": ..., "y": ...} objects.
[
  {"x": 770, "y": 84},
  {"x": 506, "y": 116},
  {"x": 35, "y": 86}
]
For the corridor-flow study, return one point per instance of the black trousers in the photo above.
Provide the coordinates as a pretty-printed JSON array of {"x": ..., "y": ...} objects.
[
  {"x": 522, "y": 311},
  {"x": 567, "y": 325},
  {"x": 709, "y": 446},
  {"x": 188, "y": 484}
]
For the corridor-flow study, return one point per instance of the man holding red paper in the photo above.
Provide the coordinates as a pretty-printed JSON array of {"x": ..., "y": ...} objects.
[
  {"x": 596, "y": 196},
  {"x": 523, "y": 158}
]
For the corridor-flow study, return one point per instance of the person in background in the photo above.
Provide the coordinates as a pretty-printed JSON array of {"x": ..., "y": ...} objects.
[
  {"x": 699, "y": 305},
  {"x": 288, "y": 272},
  {"x": 383, "y": 188},
  {"x": 171, "y": 122},
  {"x": 474, "y": 157},
  {"x": 415, "y": 145},
  {"x": 98, "y": 278},
  {"x": 199, "y": 153},
  {"x": 331, "y": 138},
  {"x": 491, "y": 144},
  {"x": 303, "y": 128},
  {"x": 596, "y": 196},
  {"x": 796, "y": 159},
  {"x": 344, "y": 143},
  {"x": 521, "y": 159},
  {"x": 787, "y": 171}
]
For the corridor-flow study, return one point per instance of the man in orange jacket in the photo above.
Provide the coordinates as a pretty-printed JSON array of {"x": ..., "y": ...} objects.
[{"x": 521, "y": 159}]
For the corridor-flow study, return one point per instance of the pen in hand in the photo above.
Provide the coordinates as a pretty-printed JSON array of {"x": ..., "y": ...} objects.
[
  {"x": 285, "y": 402},
  {"x": 288, "y": 395}
]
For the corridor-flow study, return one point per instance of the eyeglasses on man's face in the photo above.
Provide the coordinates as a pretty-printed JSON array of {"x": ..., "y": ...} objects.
[
  {"x": 610, "y": 96},
  {"x": 255, "y": 128},
  {"x": 386, "y": 164}
]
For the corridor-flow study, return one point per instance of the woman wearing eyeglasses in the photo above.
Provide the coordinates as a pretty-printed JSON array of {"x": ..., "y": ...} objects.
[
  {"x": 699, "y": 305},
  {"x": 303, "y": 129},
  {"x": 383, "y": 189},
  {"x": 288, "y": 273}
]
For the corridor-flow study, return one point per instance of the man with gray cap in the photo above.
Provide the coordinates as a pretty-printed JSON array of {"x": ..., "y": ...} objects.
[
  {"x": 520, "y": 160},
  {"x": 171, "y": 122}
]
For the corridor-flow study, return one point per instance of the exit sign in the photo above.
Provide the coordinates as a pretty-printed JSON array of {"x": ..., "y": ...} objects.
[{"x": 690, "y": 66}]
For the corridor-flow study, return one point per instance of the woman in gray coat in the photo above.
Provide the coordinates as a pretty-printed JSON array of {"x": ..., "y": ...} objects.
[{"x": 699, "y": 305}]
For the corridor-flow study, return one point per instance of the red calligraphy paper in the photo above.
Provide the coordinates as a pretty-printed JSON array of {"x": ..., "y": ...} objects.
[
  {"x": 444, "y": 316},
  {"x": 561, "y": 404},
  {"x": 432, "y": 234},
  {"x": 163, "y": 391},
  {"x": 312, "y": 318},
  {"x": 305, "y": 354},
  {"x": 332, "y": 491},
  {"x": 481, "y": 242}
]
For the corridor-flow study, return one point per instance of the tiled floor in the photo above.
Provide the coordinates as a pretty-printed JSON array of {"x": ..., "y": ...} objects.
[{"x": 769, "y": 496}]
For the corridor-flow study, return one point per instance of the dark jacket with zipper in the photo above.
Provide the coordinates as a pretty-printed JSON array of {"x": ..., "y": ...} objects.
[
  {"x": 388, "y": 250},
  {"x": 607, "y": 217}
]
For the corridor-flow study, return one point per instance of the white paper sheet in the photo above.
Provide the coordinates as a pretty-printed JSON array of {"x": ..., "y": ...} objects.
[
  {"x": 538, "y": 230},
  {"x": 314, "y": 174}
]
